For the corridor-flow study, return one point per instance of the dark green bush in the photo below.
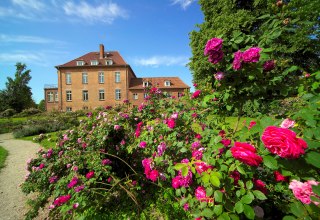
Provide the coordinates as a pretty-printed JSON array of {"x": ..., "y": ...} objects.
[
  {"x": 7, "y": 113},
  {"x": 29, "y": 112}
]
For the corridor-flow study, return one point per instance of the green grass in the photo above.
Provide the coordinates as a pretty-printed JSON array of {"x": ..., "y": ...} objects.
[
  {"x": 3, "y": 156},
  {"x": 45, "y": 143}
]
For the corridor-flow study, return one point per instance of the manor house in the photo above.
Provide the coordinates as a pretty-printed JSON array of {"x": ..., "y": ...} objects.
[{"x": 103, "y": 78}]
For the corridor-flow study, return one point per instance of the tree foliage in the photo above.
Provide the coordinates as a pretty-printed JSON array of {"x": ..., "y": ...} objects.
[
  {"x": 291, "y": 30},
  {"x": 17, "y": 94}
]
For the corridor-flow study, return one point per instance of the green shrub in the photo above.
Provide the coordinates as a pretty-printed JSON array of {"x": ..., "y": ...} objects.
[
  {"x": 29, "y": 112},
  {"x": 7, "y": 113}
]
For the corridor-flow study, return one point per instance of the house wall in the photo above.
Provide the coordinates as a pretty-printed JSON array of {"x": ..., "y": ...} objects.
[
  {"x": 54, "y": 104},
  {"x": 93, "y": 86},
  {"x": 136, "y": 102}
]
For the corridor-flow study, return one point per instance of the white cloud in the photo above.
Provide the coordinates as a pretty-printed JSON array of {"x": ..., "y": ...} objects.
[
  {"x": 33, "y": 4},
  {"x": 183, "y": 3},
  {"x": 102, "y": 13},
  {"x": 26, "y": 39},
  {"x": 45, "y": 58},
  {"x": 156, "y": 61}
]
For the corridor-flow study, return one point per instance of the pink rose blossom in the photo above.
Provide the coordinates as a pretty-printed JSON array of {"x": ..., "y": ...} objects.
[
  {"x": 171, "y": 123},
  {"x": 214, "y": 44},
  {"x": 237, "y": 61},
  {"x": 225, "y": 142},
  {"x": 161, "y": 148},
  {"x": 61, "y": 200},
  {"x": 106, "y": 162},
  {"x": 279, "y": 177},
  {"x": 90, "y": 175},
  {"x": 196, "y": 94},
  {"x": 303, "y": 191},
  {"x": 287, "y": 123},
  {"x": 201, "y": 195},
  {"x": 215, "y": 57},
  {"x": 117, "y": 127},
  {"x": 202, "y": 167},
  {"x": 219, "y": 76},
  {"x": 283, "y": 142},
  {"x": 260, "y": 185},
  {"x": 154, "y": 174},
  {"x": 143, "y": 144},
  {"x": 246, "y": 153},
  {"x": 73, "y": 182},
  {"x": 197, "y": 154},
  {"x": 252, "y": 55},
  {"x": 79, "y": 188},
  {"x": 269, "y": 65},
  {"x": 174, "y": 115},
  {"x": 41, "y": 166},
  {"x": 252, "y": 123},
  {"x": 76, "y": 205},
  {"x": 53, "y": 179},
  {"x": 236, "y": 177},
  {"x": 186, "y": 207}
]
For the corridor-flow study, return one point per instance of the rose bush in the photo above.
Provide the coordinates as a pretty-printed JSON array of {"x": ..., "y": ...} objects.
[{"x": 176, "y": 158}]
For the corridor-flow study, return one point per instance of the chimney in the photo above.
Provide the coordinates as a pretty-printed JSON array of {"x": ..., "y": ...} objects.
[{"x": 101, "y": 51}]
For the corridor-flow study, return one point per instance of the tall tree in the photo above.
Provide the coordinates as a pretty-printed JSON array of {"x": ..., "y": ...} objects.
[
  {"x": 290, "y": 27},
  {"x": 17, "y": 94}
]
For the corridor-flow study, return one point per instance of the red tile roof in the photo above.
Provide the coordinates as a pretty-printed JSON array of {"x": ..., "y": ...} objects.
[
  {"x": 87, "y": 58},
  {"x": 159, "y": 82}
]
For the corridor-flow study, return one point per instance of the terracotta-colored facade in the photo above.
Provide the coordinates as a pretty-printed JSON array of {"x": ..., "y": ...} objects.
[{"x": 100, "y": 79}]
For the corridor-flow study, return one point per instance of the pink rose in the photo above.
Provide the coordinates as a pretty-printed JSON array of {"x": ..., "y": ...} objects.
[
  {"x": 215, "y": 57},
  {"x": 196, "y": 94},
  {"x": 201, "y": 195},
  {"x": 237, "y": 61},
  {"x": 61, "y": 200},
  {"x": 252, "y": 55},
  {"x": 117, "y": 127},
  {"x": 219, "y": 76},
  {"x": 90, "y": 175},
  {"x": 269, "y": 65},
  {"x": 246, "y": 153},
  {"x": 283, "y": 142},
  {"x": 236, "y": 177},
  {"x": 154, "y": 174},
  {"x": 287, "y": 123},
  {"x": 143, "y": 144},
  {"x": 171, "y": 123},
  {"x": 303, "y": 191},
  {"x": 202, "y": 167},
  {"x": 214, "y": 44},
  {"x": 73, "y": 182},
  {"x": 197, "y": 154},
  {"x": 279, "y": 177},
  {"x": 106, "y": 162},
  {"x": 176, "y": 182},
  {"x": 260, "y": 185},
  {"x": 252, "y": 123}
]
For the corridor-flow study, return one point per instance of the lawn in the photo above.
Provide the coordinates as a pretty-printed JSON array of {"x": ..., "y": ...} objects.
[
  {"x": 3, "y": 156},
  {"x": 48, "y": 142}
]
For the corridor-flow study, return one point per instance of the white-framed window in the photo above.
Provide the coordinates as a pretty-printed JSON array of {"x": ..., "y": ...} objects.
[
  {"x": 167, "y": 83},
  {"x": 117, "y": 77},
  {"x": 85, "y": 108},
  {"x": 50, "y": 96},
  {"x": 68, "y": 78},
  {"x": 68, "y": 109},
  {"x": 145, "y": 95},
  {"x": 85, "y": 95},
  {"x": 56, "y": 97},
  {"x": 145, "y": 84},
  {"x": 109, "y": 62},
  {"x": 69, "y": 95},
  {"x": 80, "y": 63},
  {"x": 101, "y": 77},
  {"x": 135, "y": 96},
  {"x": 94, "y": 62},
  {"x": 101, "y": 94},
  {"x": 84, "y": 78},
  {"x": 118, "y": 94}
]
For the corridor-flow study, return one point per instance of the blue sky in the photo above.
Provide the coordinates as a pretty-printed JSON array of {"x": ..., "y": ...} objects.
[{"x": 151, "y": 35}]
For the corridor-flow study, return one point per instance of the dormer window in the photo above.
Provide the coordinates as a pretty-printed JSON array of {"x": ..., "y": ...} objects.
[
  {"x": 80, "y": 63},
  {"x": 94, "y": 62},
  {"x": 145, "y": 84},
  {"x": 167, "y": 83},
  {"x": 109, "y": 62}
]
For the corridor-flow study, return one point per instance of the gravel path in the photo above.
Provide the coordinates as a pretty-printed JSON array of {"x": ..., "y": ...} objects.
[{"x": 12, "y": 200}]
